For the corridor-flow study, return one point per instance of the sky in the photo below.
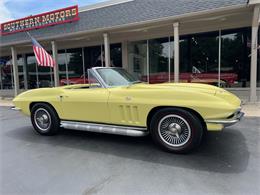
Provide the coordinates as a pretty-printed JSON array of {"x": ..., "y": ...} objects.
[{"x": 15, "y": 9}]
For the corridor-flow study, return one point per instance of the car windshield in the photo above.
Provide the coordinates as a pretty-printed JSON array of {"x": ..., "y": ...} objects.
[{"x": 116, "y": 77}]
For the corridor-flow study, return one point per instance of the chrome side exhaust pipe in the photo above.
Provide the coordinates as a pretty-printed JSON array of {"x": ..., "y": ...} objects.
[
  {"x": 15, "y": 108},
  {"x": 102, "y": 128}
]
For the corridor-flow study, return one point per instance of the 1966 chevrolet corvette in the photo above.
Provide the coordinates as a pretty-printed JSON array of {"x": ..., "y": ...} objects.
[{"x": 175, "y": 114}]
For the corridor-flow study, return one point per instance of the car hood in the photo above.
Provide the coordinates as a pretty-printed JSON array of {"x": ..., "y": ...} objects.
[
  {"x": 209, "y": 89},
  {"x": 193, "y": 88}
]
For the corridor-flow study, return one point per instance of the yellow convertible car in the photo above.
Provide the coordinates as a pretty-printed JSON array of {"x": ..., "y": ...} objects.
[{"x": 175, "y": 114}]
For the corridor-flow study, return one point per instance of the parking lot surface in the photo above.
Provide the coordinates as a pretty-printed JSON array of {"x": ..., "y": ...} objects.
[{"x": 90, "y": 163}]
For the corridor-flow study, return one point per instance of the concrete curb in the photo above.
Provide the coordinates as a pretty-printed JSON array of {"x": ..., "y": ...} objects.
[
  {"x": 251, "y": 109},
  {"x": 6, "y": 103}
]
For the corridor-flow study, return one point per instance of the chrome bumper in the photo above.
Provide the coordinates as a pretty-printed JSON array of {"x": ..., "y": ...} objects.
[
  {"x": 227, "y": 122},
  {"x": 15, "y": 108}
]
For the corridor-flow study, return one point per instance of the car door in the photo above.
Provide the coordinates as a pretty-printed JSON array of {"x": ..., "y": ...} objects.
[{"x": 85, "y": 104}]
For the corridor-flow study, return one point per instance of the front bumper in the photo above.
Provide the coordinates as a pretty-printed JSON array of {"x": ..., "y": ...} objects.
[{"x": 227, "y": 122}]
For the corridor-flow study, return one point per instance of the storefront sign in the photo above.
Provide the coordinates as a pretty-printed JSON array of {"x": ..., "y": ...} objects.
[{"x": 60, "y": 16}]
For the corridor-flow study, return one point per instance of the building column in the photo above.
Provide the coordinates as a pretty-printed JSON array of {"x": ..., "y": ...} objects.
[
  {"x": 25, "y": 76},
  {"x": 56, "y": 67},
  {"x": 124, "y": 55},
  {"x": 107, "y": 49},
  {"x": 254, "y": 46},
  {"x": 15, "y": 71},
  {"x": 176, "y": 52}
]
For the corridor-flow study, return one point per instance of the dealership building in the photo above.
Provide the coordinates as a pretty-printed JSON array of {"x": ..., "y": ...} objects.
[{"x": 203, "y": 41}]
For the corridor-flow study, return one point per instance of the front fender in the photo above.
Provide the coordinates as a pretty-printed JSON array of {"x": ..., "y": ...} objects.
[{"x": 44, "y": 95}]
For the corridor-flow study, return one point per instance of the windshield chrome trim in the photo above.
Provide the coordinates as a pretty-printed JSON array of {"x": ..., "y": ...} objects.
[{"x": 100, "y": 79}]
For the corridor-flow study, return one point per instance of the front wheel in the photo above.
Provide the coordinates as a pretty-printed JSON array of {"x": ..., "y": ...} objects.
[
  {"x": 176, "y": 130},
  {"x": 44, "y": 119}
]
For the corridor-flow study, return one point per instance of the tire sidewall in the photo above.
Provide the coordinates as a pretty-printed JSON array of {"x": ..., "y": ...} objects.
[
  {"x": 192, "y": 120},
  {"x": 55, "y": 122}
]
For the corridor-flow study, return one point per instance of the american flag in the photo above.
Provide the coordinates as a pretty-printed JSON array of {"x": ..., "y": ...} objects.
[{"x": 42, "y": 56}]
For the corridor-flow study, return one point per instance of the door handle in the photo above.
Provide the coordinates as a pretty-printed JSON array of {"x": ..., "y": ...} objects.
[{"x": 62, "y": 97}]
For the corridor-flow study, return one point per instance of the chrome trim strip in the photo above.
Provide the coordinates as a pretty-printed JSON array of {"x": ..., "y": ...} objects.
[
  {"x": 97, "y": 76},
  {"x": 15, "y": 108},
  {"x": 103, "y": 128},
  {"x": 227, "y": 122}
]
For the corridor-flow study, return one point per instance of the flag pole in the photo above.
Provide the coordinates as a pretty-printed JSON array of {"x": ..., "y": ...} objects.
[
  {"x": 36, "y": 66},
  {"x": 29, "y": 34},
  {"x": 43, "y": 58}
]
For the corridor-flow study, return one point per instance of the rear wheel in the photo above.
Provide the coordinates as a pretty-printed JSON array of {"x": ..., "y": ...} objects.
[
  {"x": 176, "y": 130},
  {"x": 45, "y": 119}
]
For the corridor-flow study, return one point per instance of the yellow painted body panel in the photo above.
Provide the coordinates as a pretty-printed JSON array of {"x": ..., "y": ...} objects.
[
  {"x": 214, "y": 127},
  {"x": 86, "y": 105},
  {"x": 130, "y": 105}
]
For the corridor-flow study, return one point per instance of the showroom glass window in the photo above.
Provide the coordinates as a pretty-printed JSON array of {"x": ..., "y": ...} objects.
[
  {"x": 137, "y": 59},
  {"x": 159, "y": 60},
  {"x": 45, "y": 75},
  {"x": 171, "y": 52},
  {"x": 31, "y": 71},
  {"x": 6, "y": 74},
  {"x": 199, "y": 58},
  {"x": 75, "y": 63},
  {"x": 21, "y": 72},
  {"x": 38, "y": 76},
  {"x": 184, "y": 55},
  {"x": 93, "y": 56},
  {"x": 116, "y": 55},
  {"x": 235, "y": 57},
  {"x": 62, "y": 63}
]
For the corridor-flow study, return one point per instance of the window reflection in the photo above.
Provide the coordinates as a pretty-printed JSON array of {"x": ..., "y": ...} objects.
[
  {"x": 20, "y": 63},
  {"x": 32, "y": 71},
  {"x": 46, "y": 76},
  {"x": 71, "y": 66},
  {"x": 184, "y": 54},
  {"x": 93, "y": 57},
  {"x": 62, "y": 63},
  {"x": 38, "y": 76},
  {"x": 137, "y": 59},
  {"x": 235, "y": 60},
  {"x": 75, "y": 63},
  {"x": 6, "y": 73},
  {"x": 199, "y": 58},
  {"x": 116, "y": 55},
  {"x": 171, "y": 52},
  {"x": 159, "y": 60}
]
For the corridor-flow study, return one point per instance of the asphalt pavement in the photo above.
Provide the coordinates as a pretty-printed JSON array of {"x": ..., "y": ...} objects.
[{"x": 76, "y": 162}]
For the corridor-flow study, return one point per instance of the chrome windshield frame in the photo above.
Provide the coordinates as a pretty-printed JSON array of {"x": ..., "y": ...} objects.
[
  {"x": 100, "y": 79},
  {"x": 94, "y": 72}
]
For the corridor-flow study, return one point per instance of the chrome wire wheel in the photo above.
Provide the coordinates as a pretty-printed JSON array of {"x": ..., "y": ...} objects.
[
  {"x": 42, "y": 119},
  {"x": 174, "y": 130}
]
